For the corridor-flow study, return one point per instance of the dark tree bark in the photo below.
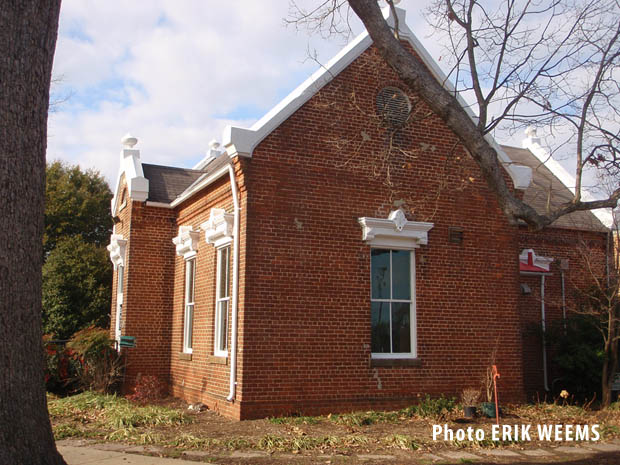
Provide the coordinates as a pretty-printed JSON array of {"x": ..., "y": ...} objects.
[
  {"x": 28, "y": 30},
  {"x": 445, "y": 105}
]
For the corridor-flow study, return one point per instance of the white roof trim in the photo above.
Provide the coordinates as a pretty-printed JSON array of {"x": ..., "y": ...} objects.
[
  {"x": 532, "y": 143},
  {"x": 191, "y": 190},
  {"x": 242, "y": 141}
]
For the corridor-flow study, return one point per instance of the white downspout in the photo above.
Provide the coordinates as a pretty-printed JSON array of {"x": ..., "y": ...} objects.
[
  {"x": 544, "y": 342},
  {"x": 235, "y": 287}
]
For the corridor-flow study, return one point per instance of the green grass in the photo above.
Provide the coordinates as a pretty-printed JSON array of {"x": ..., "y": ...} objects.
[
  {"x": 295, "y": 420},
  {"x": 109, "y": 413},
  {"x": 401, "y": 441}
]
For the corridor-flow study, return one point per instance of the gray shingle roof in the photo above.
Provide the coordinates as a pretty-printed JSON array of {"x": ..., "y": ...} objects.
[
  {"x": 547, "y": 190},
  {"x": 167, "y": 182}
]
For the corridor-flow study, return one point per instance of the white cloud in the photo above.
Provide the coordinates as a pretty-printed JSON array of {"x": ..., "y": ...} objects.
[{"x": 171, "y": 74}]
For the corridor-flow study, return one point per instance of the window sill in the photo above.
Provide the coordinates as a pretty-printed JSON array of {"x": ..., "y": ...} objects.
[
  {"x": 395, "y": 362},
  {"x": 214, "y": 359},
  {"x": 185, "y": 356}
]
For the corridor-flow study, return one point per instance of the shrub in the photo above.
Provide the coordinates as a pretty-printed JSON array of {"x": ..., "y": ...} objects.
[
  {"x": 148, "y": 388},
  {"x": 430, "y": 407},
  {"x": 99, "y": 366},
  {"x": 60, "y": 367},
  {"x": 577, "y": 353}
]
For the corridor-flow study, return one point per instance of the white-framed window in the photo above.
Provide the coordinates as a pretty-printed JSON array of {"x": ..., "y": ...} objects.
[
  {"x": 188, "y": 317},
  {"x": 392, "y": 302},
  {"x": 222, "y": 302},
  {"x": 119, "y": 301}
]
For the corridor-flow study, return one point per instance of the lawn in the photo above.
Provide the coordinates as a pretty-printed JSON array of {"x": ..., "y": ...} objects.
[{"x": 108, "y": 418}]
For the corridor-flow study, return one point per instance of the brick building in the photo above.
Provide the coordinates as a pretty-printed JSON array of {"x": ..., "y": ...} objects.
[{"x": 343, "y": 253}]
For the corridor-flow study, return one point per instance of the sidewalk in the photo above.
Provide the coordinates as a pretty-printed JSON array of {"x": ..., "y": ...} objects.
[
  {"x": 83, "y": 452},
  {"x": 78, "y": 455}
]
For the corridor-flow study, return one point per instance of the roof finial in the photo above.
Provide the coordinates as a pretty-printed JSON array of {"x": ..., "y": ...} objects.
[
  {"x": 129, "y": 141},
  {"x": 530, "y": 131}
]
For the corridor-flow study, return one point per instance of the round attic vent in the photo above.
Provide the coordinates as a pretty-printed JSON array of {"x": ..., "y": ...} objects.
[{"x": 393, "y": 106}]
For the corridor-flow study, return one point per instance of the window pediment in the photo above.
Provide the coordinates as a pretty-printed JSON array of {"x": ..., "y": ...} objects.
[
  {"x": 186, "y": 242},
  {"x": 219, "y": 228},
  {"x": 117, "y": 248},
  {"x": 529, "y": 261},
  {"x": 395, "y": 231}
]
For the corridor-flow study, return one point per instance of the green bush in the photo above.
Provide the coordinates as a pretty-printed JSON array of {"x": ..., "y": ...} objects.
[
  {"x": 60, "y": 367},
  {"x": 100, "y": 367},
  {"x": 432, "y": 407},
  {"x": 577, "y": 354}
]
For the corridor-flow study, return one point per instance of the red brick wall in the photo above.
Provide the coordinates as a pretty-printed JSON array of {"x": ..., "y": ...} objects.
[
  {"x": 148, "y": 291},
  {"x": 307, "y": 314},
  {"x": 203, "y": 377}
]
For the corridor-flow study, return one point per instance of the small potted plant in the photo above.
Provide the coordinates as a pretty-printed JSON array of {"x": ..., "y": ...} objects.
[{"x": 469, "y": 397}]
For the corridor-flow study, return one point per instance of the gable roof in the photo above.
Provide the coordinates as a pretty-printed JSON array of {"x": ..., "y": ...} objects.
[
  {"x": 546, "y": 189},
  {"x": 166, "y": 183},
  {"x": 242, "y": 141}
]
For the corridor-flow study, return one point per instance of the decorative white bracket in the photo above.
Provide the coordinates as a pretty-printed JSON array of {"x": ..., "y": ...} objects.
[
  {"x": 395, "y": 231},
  {"x": 219, "y": 228},
  {"x": 529, "y": 257},
  {"x": 186, "y": 242},
  {"x": 117, "y": 248}
]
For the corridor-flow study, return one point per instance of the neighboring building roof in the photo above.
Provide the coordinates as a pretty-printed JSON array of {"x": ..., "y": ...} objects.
[
  {"x": 166, "y": 183},
  {"x": 547, "y": 191}
]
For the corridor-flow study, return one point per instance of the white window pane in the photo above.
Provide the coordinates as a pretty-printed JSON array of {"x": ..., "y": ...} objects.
[
  {"x": 401, "y": 327},
  {"x": 190, "y": 273},
  {"x": 401, "y": 274},
  {"x": 222, "y": 325},
  {"x": 189, "y": 324},
  {"x": 224, "y": 272},
  {"x": 380, "y": 273},
  {"x": 119, "y": 287},
  {"x": 380, "y": 326}
]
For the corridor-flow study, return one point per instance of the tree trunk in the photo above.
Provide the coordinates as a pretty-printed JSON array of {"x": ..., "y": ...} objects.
[
  {"x": 606, "y": 381},
  {"x": 610, "y": 362},
  {"x": 28, "y": 30}
]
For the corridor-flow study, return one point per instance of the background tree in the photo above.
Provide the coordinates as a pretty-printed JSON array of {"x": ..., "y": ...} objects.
[
  {"x": 76, "y": 203},
  {"x": 598, "y": 303},
  {"x": 548, "y": 63},
  {"x": 28, "y": 30},
  {"x": 77, "y": 281},
  {"x": 77, "y": 275}
]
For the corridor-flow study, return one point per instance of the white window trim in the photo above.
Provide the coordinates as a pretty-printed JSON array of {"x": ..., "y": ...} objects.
[
  {"x": 394, "y": 232},
  {"x": 218, "y": 228},
  {"x": 120, "y": 284},
  {"x": 186, "y": 242},
  {"x": 397, "y": 233},
  {"x": 117, "y": 248},
  {"x": 190, "y": 278},
  {"x": 412, "y": 312},
  {"x": 218, "y": 330}
]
